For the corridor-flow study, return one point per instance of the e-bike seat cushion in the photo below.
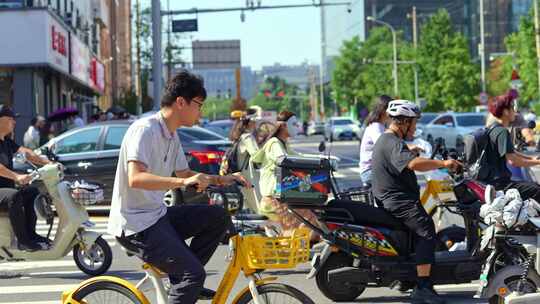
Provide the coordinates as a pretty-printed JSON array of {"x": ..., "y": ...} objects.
[{"x": 363, "y": 214}]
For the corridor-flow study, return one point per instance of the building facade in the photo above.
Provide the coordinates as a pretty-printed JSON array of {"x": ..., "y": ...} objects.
[{"x": 59, "y": 56}]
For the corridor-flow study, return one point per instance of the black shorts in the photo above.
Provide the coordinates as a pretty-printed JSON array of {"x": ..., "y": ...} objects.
[{"x": 414, "y": 216}]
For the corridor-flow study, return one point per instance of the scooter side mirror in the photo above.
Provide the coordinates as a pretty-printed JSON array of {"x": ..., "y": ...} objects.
[{"x": 322, "y": 146}]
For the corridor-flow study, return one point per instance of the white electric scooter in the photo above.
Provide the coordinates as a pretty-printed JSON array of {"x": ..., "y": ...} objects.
[{"x": 91, "y": 252}]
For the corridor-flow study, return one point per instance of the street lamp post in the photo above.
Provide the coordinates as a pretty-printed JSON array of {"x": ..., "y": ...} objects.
[{"x": 394, "y": 43}]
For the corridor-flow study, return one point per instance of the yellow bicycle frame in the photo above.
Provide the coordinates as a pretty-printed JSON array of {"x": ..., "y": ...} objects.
[{"x": 238, "y": 263}]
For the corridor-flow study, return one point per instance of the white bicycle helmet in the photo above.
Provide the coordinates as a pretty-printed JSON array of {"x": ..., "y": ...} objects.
[{"x": 401, "y": 107}]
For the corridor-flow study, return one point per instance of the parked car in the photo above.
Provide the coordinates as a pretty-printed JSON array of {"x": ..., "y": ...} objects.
[
  {"x": 338, "y": 128},
  {"x": 221, "y": 127},
  {"x": 91, "y": 152},
  {"x": 315, "y": 128},
  {"x": 426, "y": 118},
  {"x": 453, "y": 126}
]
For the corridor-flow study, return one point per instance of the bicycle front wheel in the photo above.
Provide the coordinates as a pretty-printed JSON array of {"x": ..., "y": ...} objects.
[
  {"x": 276, "y": 294},
  {"x": 106, "y": 292}
]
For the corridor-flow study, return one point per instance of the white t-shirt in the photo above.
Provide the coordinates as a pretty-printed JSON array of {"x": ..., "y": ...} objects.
[
  {"x": 147, "y": 141},
  {"x": 371, "y": 134}
]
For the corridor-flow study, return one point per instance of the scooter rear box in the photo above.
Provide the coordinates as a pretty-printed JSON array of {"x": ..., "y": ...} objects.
[{"x": 302, "y": 180}]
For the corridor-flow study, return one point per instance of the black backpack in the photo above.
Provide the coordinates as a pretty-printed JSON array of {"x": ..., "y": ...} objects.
[
  {"x": 229, "y": 162},
  {"x": 475, "y": 152}
]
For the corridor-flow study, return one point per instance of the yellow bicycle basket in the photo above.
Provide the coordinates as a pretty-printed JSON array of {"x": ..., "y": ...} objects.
[{"x": 277, "y": 252}]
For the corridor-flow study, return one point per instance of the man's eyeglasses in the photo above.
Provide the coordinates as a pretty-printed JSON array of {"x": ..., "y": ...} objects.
[{"x": 200, "y": 104}]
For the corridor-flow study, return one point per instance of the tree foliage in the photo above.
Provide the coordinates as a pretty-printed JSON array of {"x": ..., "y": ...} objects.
[
  {"x": 522, "y": 44},
  {"x": 275, "y": 94},
  {"x": 364, "y": 70},
  {"x": 448, "y": 77}
]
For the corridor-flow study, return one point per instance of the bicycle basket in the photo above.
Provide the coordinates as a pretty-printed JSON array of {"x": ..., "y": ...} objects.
[
  {"x": 85, "y": 193},
  {"x": 277, "y": 252}
]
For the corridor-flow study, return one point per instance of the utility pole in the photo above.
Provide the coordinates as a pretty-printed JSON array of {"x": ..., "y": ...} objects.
[
  {"x": 157, "y": 64},
  {"x": 138, "y": 84},
  {"x": 537, "y": 37},
  {"x": 415, "y": 43},
  {"x": 482, "y": 47},
  {"x": 323, "y": 57},
  {"x": 169, "y": 50}
]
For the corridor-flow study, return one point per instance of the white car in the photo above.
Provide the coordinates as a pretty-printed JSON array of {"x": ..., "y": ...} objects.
[
  {"x": 453, "y": 126},
  {"x": 337, "y": 128},
  {"x": 315, "y": 128}
]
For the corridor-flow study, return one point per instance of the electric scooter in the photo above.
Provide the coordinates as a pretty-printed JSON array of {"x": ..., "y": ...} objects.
[{"x": 91, "y": 253}]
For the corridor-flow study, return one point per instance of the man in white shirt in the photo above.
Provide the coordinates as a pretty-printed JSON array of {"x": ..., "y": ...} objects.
[
  {"x": 31, "y": 137},
  {"x": 150, "y": 153}
]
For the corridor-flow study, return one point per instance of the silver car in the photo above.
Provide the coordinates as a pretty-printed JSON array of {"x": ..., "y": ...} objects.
[
  {"x": 338, "y": 128},
  {"x": 453, "y": 126}
]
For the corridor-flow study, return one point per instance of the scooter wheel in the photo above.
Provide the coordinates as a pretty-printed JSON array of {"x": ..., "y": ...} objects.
[
  {"x": 337, "y": 291},
  {"x": 95, "y": 260}
]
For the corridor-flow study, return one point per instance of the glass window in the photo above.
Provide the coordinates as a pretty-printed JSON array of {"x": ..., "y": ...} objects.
[
  {"x": 114, "y": 138},
  {"x": 471, "y": 120},
  {"x": 82, "y": 141},
  {"x": 11, "y": 3},
  {"x": 426, "y": 118},
  {"x": 199, "y": 134},
  {"x": 342, "y": 122},
  {"x": 444, "y": 120}
]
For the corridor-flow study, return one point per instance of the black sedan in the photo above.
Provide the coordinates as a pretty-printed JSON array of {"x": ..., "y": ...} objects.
[{"x": 91, "y": 152}]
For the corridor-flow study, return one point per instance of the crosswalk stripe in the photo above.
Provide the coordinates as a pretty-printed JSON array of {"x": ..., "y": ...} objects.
[
  {"x": 36, "y": 302},
  {"x": 36, "y": 264},
  {"x": 36, "y": 289}
]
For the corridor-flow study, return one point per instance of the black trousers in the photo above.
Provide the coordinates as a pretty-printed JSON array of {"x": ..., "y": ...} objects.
[
  {"x": 526, "y": 189},
  {"x": 414, "y": 216},
  {"x": 20, "y": 206},
  {"x": 163, "y": 245}
]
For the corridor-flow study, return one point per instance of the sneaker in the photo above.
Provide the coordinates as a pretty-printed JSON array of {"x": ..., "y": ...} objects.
[
  {"x": 206, "y": 294},
  {"x": 426, "y": 296},
  {"x": 30, "y": 247}
]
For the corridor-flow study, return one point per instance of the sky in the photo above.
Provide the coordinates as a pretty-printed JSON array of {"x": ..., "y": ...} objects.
[{"x": 285, "y": 36}]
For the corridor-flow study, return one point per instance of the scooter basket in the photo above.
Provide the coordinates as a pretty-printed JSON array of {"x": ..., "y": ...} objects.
[
  {"x": 276, "y": 252},
  {"x": 86, "y": 194}
]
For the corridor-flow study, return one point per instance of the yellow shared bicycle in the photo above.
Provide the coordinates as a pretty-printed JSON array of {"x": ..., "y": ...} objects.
[{"x": 248, "y": 254}]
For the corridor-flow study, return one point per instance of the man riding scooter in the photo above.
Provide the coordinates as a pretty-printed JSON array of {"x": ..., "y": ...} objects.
[
  {"x": 500, "y": 150},
  {"x": 19, "y": 203},
  {"x": 397, "y": 189}
]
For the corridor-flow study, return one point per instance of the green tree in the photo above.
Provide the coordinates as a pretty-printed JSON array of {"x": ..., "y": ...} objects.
[
  {"x": 448, "y": 77},
  {"x": 216, "y": 108},
  {"x": 522, "y": 44},
  {"x": 275, "y": 94},
  {"x": 364, "y": 69}
]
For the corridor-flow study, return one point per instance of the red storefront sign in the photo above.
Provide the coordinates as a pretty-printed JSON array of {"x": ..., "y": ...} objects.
[{"x": 58, "y": 41}]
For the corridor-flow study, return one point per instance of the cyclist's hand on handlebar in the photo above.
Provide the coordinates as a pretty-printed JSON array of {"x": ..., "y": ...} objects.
[
  {"x": 235, "y": 177},
  {"x": 199, "y": 180},
  {"x": 23, "y": 179},
  {"x": 453, "y": 165}
]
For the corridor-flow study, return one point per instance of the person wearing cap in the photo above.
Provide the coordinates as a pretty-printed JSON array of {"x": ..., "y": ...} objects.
[
  {"x": 500, "y": 151},
  {"x": 31, "y": 138},
  {"x": 396, "y": 187},
  {"x": 275, "y": 147},
  {"x": 19, "y": 203}
]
